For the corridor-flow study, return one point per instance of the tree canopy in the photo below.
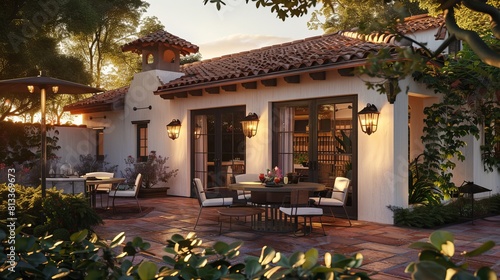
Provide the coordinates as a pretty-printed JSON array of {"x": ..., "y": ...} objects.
[
  {"x": 338, "y": 14},
  {"x": 76, "y": 40}
]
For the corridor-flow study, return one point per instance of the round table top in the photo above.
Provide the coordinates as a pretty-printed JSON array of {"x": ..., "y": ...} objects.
[{"x": 258, "y": 186}]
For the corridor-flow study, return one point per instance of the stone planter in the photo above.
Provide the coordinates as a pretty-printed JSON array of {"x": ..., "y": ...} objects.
[{"x": 153, "y": 192}]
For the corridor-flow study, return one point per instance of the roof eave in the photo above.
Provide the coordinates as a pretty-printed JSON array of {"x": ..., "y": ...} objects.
[{"x": 167, "y": 93}]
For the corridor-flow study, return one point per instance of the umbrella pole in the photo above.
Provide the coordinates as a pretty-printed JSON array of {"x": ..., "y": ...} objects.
[{"x": 43, "y": 166}]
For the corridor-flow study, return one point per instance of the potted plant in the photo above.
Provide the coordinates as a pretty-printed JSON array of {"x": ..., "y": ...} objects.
[{"x": 301, "y": 158}]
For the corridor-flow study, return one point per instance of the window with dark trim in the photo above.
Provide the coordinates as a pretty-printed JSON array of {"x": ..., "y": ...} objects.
[
  {"x": 99, "y": 144},
  {"x": 142, "y": 140}
]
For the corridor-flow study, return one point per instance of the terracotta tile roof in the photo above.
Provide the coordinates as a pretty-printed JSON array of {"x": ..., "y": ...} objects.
[
  {"x": 164, "y": 37},
  {"x": 419, "y": 23},
  {"x": 337, "y": 50},
  {"x": 107, "y": 101},
  {"x": 307, "y": 53}
]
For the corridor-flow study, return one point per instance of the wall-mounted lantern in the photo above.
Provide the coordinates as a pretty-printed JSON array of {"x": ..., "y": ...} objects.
[
  {"x": 197, "y": 131},
  {"x": 368, "y": 118},
  {"x": 250, "y": 124},
  {"x": 173, "y": 129}
]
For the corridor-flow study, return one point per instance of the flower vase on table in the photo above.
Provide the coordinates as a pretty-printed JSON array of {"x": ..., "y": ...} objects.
[{"x": 273, "y": 178}]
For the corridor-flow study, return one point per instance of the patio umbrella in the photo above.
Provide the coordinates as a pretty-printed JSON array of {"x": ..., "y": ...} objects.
[{"x": 44, "y": 84}]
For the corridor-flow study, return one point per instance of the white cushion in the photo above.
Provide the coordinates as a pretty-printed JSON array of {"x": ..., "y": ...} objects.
[
  {"x": 127, "y": 193},
  {"x": 245, "y": 196},
  {"x": 246, "y": 178},
  {"x": 325, "y": 201},
  {"x": 219, "y": 201},
  {"x": 302, "y": 211}
]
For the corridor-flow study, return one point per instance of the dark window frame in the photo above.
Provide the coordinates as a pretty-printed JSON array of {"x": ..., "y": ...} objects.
[
  {"x": 140, "y": 147},
  {"x": 99, "y": 153}
]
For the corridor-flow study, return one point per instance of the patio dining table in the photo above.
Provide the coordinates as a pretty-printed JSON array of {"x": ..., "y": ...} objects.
[
  {"x": 271, "y": 198},
  {"x": 93, "y": 183}
]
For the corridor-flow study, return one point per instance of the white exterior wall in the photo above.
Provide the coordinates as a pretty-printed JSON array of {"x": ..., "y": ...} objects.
[
  {"x": 382, "y": 180},
  {"x": 120, "y": 139},
  {"x": 74, "y": 141}
]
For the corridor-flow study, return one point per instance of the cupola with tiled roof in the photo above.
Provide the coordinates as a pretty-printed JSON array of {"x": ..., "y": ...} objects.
[{"x": 160, "y": 50}]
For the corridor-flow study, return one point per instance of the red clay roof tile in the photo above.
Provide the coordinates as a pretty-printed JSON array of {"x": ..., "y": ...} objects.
[
  {"x": 106, "y": 97},
  {"x": 327, "y": 50},
  {"x": 164, "y": 37}
]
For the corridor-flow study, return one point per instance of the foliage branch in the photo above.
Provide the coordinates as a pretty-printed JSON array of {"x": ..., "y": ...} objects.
[{"x": 86, "y": 255}]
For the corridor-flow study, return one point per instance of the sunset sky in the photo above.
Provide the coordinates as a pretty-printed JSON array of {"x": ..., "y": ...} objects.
[{"x": 236, "y": 27}]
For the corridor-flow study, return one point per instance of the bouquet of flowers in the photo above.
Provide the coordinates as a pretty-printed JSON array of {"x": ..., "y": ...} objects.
[{"x": 274, "y": 175}]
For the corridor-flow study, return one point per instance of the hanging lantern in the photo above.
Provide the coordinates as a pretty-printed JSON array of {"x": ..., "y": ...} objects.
[
  {"x": 173, "y": 129},
  {"x": 250, "y": 124},
  {"x": 368, "y": 119}
]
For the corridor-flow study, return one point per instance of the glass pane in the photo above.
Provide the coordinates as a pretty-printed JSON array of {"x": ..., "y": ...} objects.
[{"x": 342, "y": 130}]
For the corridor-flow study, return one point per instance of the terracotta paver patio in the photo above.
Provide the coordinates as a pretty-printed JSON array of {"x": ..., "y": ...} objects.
[{"x": 385, "y": 248}]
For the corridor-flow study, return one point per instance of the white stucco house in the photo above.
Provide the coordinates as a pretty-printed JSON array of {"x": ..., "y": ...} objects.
[{"x": 306, "y": 99}]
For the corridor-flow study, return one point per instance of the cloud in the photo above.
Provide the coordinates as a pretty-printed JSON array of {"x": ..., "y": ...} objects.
[{"x": 237, "y": 43}]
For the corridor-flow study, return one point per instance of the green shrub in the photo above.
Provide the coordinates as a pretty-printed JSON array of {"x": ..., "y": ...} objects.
[
  {"x": 71, "y": 212},
  {"x": 431, "y": 216},
  {"x": 57, "y": 210},
  {"x": 85, "y": 256},
  {"x": 426, "y": 216}
]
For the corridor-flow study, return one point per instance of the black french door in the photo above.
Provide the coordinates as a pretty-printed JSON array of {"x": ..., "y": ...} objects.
[
  {"x": 218, "y": 146},
  {"x": 316, "y": 138}
]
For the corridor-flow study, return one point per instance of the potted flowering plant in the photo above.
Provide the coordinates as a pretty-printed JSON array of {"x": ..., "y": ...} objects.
[{"x": 153, "y": 171}]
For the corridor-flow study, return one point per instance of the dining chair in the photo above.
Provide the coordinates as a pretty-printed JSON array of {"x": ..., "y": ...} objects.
[
  {"x": 245, "y": 195},
  {"x": 336, "y": 196},
  {"x": 127, "y": 192},
  {"x": 299, "y": 207},
  {"x": 201, "y": 194},
  {"x": 101, "y": 188}
]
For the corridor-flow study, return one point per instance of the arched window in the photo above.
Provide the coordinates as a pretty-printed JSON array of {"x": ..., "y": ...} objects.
[
  {"x": 169, "y": 56},
  {"x": 150, "y": 58}
]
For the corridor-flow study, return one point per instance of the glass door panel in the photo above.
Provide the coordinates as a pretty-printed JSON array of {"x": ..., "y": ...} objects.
[
  {"x": 313, "y": 139},
  {"x": 218, "y": 146}
]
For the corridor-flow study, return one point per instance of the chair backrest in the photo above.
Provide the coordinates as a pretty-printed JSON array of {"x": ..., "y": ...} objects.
[
  {"x": 246, "y": 178},
  {"x": 200, "y": 193},
  {"x": 138, "y": 184},
  {"x": 100, "y": 175},
  {"x": 340, "y": 188}
]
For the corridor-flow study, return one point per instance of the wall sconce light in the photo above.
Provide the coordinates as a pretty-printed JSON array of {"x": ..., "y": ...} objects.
[
  {"x": 368, "y": 118},
  {"x": 173, "y": 129},
  {"x": 250, "y": 124},
  {"x": 197, "y": 131}
]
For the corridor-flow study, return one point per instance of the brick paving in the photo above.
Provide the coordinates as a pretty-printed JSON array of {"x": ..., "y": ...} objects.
[{"x": 385, "y": 248}]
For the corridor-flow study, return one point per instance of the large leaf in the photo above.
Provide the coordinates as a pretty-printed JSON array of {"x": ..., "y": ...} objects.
[
  {"x": 481, "y": 249},
  {"x": 443, "y": 240},
  {"x": 429, "y": 270},
  {"x": 119, "y": 238},
  {"x": 147, "y": 270},
  {"x": 311, "y": 258}
]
